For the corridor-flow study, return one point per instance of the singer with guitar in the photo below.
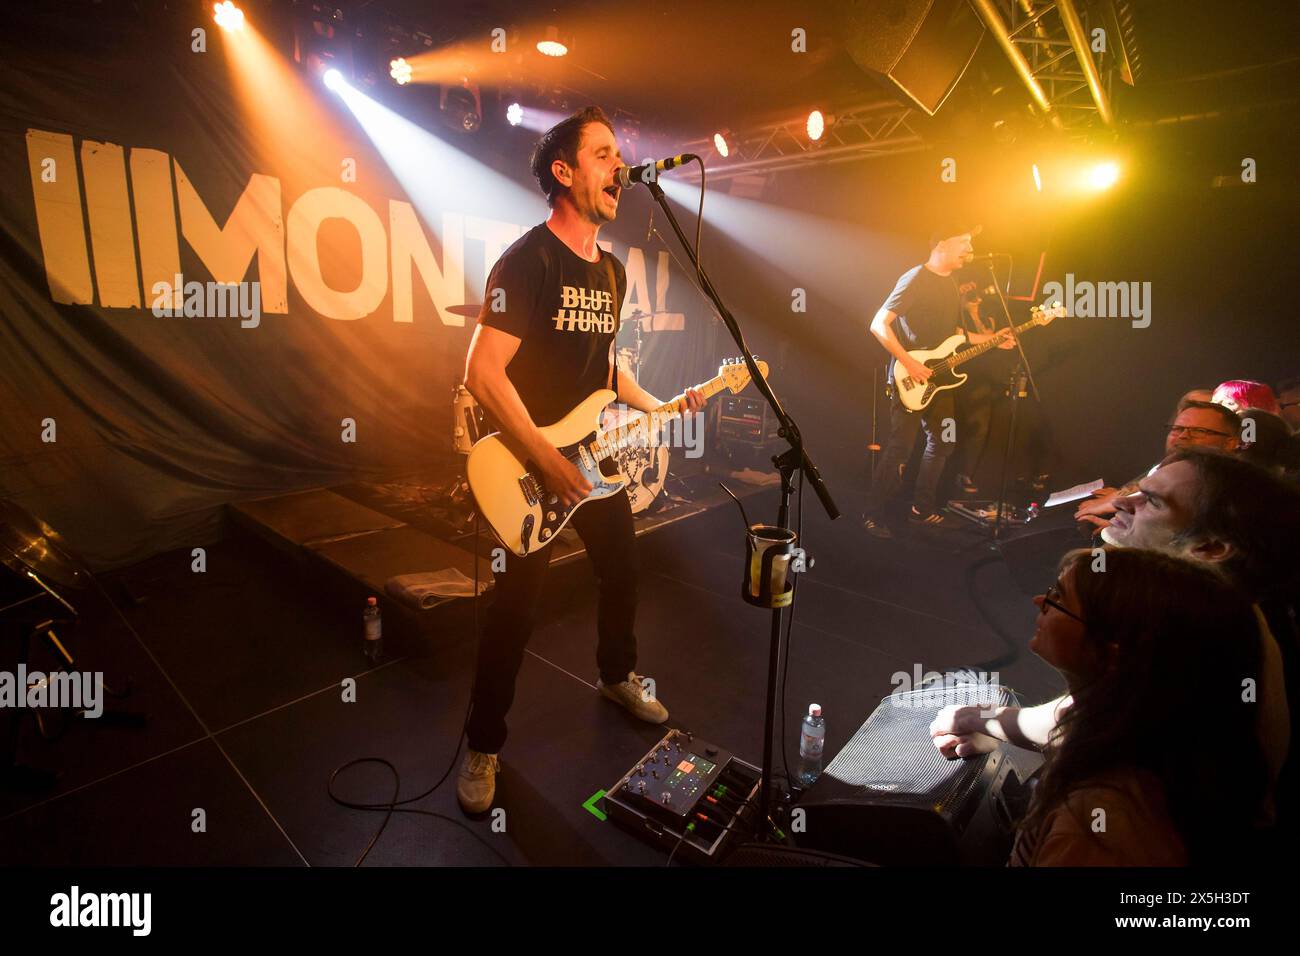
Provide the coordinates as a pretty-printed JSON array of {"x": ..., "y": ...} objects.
[
  {"x": 922, "y": 311},
  {"x": 543, "y": 344}
]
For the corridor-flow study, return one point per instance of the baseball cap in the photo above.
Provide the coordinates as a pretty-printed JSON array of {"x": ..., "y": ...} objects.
[{"x": 947, "y": 228}]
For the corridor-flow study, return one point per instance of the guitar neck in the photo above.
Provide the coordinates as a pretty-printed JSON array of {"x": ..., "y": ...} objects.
[
  {"x": 965, "y": 355},
  {"x": 642, "y": 426}
]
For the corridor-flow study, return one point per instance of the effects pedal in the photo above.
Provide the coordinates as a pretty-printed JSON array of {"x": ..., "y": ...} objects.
[{"x": 686, "y": 796}]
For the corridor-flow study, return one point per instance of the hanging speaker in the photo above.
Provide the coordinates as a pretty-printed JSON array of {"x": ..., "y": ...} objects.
[{"x": 919, "y": 48}]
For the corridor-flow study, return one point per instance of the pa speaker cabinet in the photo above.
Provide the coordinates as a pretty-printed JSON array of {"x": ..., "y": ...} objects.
[
  {"x": 890, "y": 798},
  {"x": 919, "y": 48}
]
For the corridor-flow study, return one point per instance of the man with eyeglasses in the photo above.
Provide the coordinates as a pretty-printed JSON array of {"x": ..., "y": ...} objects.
[
  {"x": 1213, "y": 508},
  {"x": 1197, "y": 425}
]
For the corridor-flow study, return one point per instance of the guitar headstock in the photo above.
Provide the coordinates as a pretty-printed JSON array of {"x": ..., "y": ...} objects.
[
  {"x": 1045, "y": 314},
  {"x": 735, "y": 373}
]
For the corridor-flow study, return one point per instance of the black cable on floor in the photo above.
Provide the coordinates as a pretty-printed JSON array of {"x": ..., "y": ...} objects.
[{"x": 398, "y": 806}]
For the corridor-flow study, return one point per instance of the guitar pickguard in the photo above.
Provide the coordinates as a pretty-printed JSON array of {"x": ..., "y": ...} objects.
[{"x": 554, "y": 514}]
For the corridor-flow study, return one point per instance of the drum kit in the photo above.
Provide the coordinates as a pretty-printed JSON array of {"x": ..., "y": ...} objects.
[{"x": 645, "y": 466}]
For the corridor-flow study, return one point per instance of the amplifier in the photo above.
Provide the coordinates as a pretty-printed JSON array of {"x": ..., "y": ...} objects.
[
  {"x": 686, "y": 796},
  {"x": 746, "y": 421},
  {"x": 890, "y": 798}
]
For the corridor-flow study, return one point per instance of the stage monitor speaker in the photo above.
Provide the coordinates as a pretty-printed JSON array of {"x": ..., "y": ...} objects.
[
  {"x": 890, "y": 798},
  {"x": 919, "y": 48}
]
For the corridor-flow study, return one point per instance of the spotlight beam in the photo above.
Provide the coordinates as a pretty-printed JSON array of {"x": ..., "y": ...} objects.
[{"x": 434, "y": 174}]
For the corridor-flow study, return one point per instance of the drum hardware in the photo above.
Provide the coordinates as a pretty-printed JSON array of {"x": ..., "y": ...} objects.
[
  {"x": 631, "y": 354},
  {"x": 41, "y": 568}
]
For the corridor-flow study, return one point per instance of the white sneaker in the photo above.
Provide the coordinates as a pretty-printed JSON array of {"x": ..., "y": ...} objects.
[
  {"x": 634, "y": 695},
  {"x": 477, "y": 783}
]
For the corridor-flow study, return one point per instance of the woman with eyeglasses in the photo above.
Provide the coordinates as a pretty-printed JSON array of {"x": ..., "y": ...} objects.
[{"x": 1144, "y": 641}]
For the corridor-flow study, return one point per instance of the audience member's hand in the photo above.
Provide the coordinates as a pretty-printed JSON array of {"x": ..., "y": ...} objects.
[
  {"x": 1091, "y": 524},
  {"x": 1096, "y": 508},
  {"x": 958, "y": 732}
]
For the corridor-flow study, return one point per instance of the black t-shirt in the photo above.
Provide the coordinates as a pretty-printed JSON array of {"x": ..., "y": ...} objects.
[
  {"x": 994, "y": 366},
  {"x": 565, "y": 312},
  {"x": 928, "y": 307}
]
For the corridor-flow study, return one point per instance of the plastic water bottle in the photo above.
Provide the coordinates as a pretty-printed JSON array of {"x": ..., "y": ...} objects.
[
  {"x": 812, "y": 740},
  {"x": 374, "y": 642}
]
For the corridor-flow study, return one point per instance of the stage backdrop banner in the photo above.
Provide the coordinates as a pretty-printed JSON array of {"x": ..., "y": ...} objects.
[{"x": 219, "y": 284}]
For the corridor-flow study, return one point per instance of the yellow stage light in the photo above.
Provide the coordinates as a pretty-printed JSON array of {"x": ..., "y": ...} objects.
[
  {"x": 551, "y": 45},
  {"x": 816, "y": 125},
  {"x": 400, "y": 71},
  {"x": 1103, "y": 176},
  {"x": 228, "y": 16}
]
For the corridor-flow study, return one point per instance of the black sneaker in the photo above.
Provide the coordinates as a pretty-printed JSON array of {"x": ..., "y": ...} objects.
[
  {"x": 931, "y": 520},
  {"x": 967, "y": 485},
  {"x": 877, "y": 529}
]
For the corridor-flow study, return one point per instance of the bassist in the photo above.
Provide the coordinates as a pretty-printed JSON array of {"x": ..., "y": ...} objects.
[{"x": 922, "y": 311}]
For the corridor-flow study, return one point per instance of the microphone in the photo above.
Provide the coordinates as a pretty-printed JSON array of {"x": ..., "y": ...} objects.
[
  {"x": 626, "y": 176},
  {"x": 987, "y": 257}
]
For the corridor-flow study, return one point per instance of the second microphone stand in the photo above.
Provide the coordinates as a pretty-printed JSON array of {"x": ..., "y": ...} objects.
[{"x": 1021, "y": 373}]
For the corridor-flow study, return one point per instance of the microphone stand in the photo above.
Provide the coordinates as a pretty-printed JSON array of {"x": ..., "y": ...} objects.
[
  {"x": 793, "y": 459},
  {"x": 1022, "y": 371}
]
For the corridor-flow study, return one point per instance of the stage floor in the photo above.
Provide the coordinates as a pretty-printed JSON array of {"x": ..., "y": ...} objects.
[{"x": 243, "y": 670}]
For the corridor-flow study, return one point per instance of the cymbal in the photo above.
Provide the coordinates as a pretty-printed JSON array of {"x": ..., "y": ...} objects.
[
  {"x": 28, "y": 543},
  {"x": 469, "y": 311}
]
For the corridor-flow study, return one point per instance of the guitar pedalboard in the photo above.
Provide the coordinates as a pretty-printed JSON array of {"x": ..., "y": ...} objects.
[{"x": 687, "y": 796}]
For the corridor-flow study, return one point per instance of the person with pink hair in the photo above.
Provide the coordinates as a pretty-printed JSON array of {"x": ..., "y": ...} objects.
[{"x": 1239, "y": 394}]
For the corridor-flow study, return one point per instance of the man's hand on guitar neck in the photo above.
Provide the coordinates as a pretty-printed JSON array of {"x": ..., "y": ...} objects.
[
  {"x": 691, "y": 402},
  {"x": 979, "y": 338}
]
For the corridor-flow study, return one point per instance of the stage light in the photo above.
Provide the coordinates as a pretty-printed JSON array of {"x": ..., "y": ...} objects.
[
  {"x": 514, "y": 114},
  {"x": 721, "y": 145},
  {"x": 228, "y": 16},
  {"x": 1103, "y": 176},
  {"x": 1038, "y": 179},
  {"x": 461, "y": 106},
  {"x": 332, "y": 79},
  {"x": 551, "y": 45},
  {"x": 816, "y": 125},
  {"x": 400, "y": 71}
]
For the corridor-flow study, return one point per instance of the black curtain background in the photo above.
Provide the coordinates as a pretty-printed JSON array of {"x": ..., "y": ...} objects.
[{"x": 160, "y": 421}]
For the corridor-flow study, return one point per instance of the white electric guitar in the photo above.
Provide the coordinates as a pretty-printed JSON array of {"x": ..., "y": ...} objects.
[
  {"x": 943, "y": 361},
  {"x": 522, "y": 513}
]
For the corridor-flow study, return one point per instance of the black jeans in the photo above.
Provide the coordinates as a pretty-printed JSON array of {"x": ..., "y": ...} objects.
[
  {"x": 605, "y": 525},
  {"x": 903, "y": 426},
  {"x": 975, "y": 402}
]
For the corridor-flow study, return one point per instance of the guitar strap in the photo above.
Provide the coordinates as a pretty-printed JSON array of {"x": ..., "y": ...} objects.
[{"x": 606, "y": 259}]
